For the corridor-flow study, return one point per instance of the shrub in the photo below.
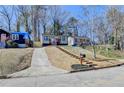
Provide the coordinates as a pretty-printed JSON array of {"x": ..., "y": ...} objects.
[{"x": 11, "y": 44}]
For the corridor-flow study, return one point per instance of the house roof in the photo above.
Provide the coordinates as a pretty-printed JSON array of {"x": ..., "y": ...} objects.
[
  {"x": 20, "y": 33},
  {"x": 3, "y": 31}
]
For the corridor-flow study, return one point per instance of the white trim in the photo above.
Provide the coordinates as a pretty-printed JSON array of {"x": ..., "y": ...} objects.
[
  {"x": 15, "y": 37},
  {"x": 22, "y": 45}
]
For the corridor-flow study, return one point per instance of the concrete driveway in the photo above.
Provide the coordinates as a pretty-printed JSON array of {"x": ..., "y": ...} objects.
[{"x": 42, "y": 74}]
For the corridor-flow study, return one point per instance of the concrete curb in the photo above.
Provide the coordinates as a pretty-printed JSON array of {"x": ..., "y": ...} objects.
[{"x": 97, "y": 68}]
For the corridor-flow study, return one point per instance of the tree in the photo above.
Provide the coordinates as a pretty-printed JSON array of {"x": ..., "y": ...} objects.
[
  {"x": 101, "y": 29},
  {"x": 7, "y": 13},
  {"x": 35, "y": 20},
  {"x": 44, "y": 17},
  {"x": 73, "y": 24},
  {"x": 25, "y": 15},
  {"x": 89, "y": 14},
  {"x": 58, "y": 18},
  {"x": 18, "y": 18},
  {"x": 115, "y": 19}
]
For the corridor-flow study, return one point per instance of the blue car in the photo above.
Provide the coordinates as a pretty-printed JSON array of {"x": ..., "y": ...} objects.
[{"x": 23, "y": 39}]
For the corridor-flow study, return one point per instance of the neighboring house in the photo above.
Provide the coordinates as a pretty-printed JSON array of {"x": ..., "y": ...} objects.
[
  {"x": 4, "y": 35},
  {"x": 82, "y": 41},
  {"x": 52, "y": 39},
  {"x": 63, "y": 40},
  {"x": 23, "y": 39},
  {"x": 45, "y": 40}
]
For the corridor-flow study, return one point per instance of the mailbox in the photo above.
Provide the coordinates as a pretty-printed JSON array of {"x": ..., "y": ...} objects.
[{"x": 81, "y": 57}]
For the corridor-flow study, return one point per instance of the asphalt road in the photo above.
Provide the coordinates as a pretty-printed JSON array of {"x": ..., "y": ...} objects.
[{"x": 43, "y": 74}]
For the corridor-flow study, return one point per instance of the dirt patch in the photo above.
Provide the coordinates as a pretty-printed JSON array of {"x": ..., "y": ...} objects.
[
  {"x": 59, "y": 59},
  {"x": 13, "y": 60}
]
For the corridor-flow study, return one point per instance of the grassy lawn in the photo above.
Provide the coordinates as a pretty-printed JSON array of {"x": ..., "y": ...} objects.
[
  {"x": 110, "y": 53},
  {"x": 13, "y": 60},
  {"x": 77, "y": 50}
]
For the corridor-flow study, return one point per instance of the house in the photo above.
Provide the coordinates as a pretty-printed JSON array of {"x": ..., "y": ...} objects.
[
  {"x": 64, "y": 40},
  {"x": 23, "y": 39},
  {"x": 45, "y": 39},
  {"x": 4, "y": 35},
  {"x": 52, "y": 39},
  {"x": 82, "y": 41}
]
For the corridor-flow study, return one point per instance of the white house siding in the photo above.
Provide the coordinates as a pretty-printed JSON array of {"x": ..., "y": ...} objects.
[
  {"x": 45, "y": 40},
  {"x": 71, "y": 41},
  {"x": 63, "y": 40}
]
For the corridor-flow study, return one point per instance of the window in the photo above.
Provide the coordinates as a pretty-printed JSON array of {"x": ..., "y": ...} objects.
[
  {"x": 63, "y": 38},
  {"x": 46, "y": 38},
  {"x": 15, "y": 37}
]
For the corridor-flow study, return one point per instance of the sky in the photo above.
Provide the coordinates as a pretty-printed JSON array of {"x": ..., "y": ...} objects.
[{"x": 76, "y": 10}]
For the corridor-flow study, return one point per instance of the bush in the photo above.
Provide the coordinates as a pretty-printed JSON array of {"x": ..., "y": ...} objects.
[{"x": 11, "y": 44}]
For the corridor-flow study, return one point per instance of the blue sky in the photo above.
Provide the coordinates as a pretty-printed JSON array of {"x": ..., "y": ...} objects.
[{"x": 76, "y": 10}]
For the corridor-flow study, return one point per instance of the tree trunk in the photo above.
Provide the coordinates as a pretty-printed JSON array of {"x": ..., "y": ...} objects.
[
  {"x": 35, "y": 30},
  {"x": 115, "y": 40},
  {"x": 26, "y": 24},
  {"x": 9, "y": 24},
  {"x": 38, "y": 29},
  {"x": 44, "y": 28},
  {"x": 94, "y": 51},
  {"x": 34, "y": 34},
  {"x": 18, "y": 26}
]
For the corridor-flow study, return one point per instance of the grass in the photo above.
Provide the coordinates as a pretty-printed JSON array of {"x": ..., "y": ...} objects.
[
  {"x": 13, "y": 60},
  {"x": 77, "y": 50},
  {"x": 37, "y": 44},
  {"x": 110, "y": 53}
]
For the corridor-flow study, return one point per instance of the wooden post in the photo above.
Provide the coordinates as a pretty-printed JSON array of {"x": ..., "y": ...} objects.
[{"x": 81, "y": 61}]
